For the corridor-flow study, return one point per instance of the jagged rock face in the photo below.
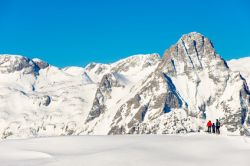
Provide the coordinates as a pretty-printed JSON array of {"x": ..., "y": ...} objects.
[
  {"x": 194, "y": 62},
  {"x": 203, "y": 78},
  {"x": 155, "y": 97},
  {"x": 236, "y": 113},
  {"x": 102, "y": 93},
  {"x": 193, "y": 52},
  {"x": 141, "y": 94}
]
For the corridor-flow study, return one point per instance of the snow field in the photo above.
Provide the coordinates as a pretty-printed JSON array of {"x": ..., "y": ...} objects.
[{"x": 127, "y": 150}]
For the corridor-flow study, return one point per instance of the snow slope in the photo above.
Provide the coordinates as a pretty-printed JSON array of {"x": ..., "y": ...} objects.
[
  {"x": 127, "y": 150},
  {"x": 241, "y": 65}
]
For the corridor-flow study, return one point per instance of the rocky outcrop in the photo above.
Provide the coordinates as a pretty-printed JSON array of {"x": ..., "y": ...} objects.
[
  {"x": 103, "y": 93},
  {"x": 41, "y": 64}
]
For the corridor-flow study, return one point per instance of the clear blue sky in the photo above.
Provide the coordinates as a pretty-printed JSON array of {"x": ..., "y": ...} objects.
[{"x": 73, "y": 32}]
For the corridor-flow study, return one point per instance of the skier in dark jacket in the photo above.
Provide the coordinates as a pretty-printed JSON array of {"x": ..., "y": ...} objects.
[
  {"x": 213, "y": 128},
  {"x": 217, "y": 125}
]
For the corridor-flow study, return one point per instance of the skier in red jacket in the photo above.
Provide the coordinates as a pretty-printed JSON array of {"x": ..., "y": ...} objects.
[{"x": 209, "y": 125}]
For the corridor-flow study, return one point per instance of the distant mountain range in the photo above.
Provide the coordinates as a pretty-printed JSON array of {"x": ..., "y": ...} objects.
[{"x": 141, "y": 94}]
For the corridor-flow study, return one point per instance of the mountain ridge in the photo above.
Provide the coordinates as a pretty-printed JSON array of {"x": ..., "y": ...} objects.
[{"x": 141, "y": 94}]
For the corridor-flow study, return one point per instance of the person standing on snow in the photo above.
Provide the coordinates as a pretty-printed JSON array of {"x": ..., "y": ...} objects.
[
  {"x": 213, "y": 128},
  {"x": 217, "y": 126},
  {"x": 209, "y": 125}
]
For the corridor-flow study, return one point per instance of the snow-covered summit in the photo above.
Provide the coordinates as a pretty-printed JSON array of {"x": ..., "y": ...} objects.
[
  {"x": 131, "y": 65},
  {"x": 12, "y": 63},
  {"x": 241, "y": 65},
  {"x": 40, "y": 63},
  {"x": 191, "y": 36}
]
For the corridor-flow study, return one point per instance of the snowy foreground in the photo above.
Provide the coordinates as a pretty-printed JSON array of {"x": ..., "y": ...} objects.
[{"x": 127, "y": 150}]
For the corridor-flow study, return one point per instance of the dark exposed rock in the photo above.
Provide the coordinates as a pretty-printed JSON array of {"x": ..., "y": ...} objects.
[{"x": 41, "y": 64}]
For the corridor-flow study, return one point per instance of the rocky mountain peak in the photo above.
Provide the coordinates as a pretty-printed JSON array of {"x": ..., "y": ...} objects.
[
  {"x": 196, "y": 43},
  {"x": 192, "y": 36},
  {"x": 12, "y": 63},
  {"x": 193, "y": 51}
]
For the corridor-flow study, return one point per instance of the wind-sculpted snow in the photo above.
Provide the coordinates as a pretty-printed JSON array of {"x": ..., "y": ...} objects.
[{"x": 141, "y": 94}]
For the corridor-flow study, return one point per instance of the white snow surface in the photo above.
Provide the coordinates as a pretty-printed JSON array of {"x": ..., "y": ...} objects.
[{"x": 127, "y": 150}]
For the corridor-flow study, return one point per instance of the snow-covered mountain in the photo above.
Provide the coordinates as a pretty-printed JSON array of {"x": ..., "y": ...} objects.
[
  {"x": 177, "y": 93},
  {"x": 241, "y": 65}
]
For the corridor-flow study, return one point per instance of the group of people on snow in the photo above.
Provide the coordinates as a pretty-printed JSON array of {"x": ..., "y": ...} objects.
[{"x": 213, "y": 127}]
